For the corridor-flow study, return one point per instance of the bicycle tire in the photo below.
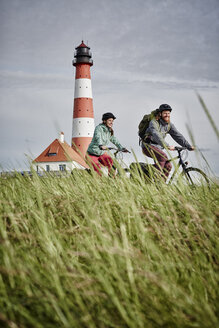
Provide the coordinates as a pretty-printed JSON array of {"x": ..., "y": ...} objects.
[{"x": 195, "y": 176}]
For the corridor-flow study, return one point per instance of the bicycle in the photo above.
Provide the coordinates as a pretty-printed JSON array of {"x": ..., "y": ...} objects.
[
  {"x": 119, "y": 164},
  {"x": 192, "y": 175}
]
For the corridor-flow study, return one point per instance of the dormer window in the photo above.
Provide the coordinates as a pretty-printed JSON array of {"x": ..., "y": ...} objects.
[{"x": 53, "y": 151}]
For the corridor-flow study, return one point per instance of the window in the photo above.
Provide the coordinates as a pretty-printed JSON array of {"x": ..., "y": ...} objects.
[
  {"x": 52, "y": 154},
  {"x": 62, "y": 167},
  {"x": 47, "y": 168}
]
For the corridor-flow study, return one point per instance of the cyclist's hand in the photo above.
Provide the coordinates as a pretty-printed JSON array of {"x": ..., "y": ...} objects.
[
  {"x": 192, "y": 148},
  {"x": 103, "y": 147},
  {"x": 171, "y": 148},
  {"x": 124, "y": 150}
]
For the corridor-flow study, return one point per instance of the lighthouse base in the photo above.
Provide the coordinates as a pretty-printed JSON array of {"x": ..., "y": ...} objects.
[{"x": 81, "y": 144}]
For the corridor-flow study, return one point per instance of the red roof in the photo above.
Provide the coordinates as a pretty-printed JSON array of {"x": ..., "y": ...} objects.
[
  {"x": 60, "y": 152},
  {"x": 82, "y": 45}
]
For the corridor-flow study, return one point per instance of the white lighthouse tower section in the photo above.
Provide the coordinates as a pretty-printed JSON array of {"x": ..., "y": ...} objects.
[
  {"x": 83, "y": 88},
  {"x": 83, "y": 127}
]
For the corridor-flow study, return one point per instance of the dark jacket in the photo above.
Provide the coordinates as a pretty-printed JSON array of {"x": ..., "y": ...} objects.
[{"x": 157, "y": 131}]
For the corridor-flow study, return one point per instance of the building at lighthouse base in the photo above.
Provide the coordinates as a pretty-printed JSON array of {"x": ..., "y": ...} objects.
[{"x": 58, "y": 157}]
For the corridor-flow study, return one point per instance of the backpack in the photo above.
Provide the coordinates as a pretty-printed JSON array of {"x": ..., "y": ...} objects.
[{"x": 144, "y": 124}]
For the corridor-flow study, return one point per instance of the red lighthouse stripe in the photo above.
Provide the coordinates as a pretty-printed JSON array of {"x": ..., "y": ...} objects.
[
  {"x": 83, "y": 107},
  {"x": 81, "y": 144},
  {"x": 82, "y": 71}
]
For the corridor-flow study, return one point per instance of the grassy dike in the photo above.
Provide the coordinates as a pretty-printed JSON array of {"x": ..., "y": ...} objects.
[{"x": 95, "y": 252}]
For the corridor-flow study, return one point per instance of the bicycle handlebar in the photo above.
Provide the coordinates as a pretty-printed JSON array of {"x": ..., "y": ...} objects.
[
  {"x": 111, "y": 148},
  {"x": 118, "y": 150},
  {"x": 180, "y": 148},
  {"x": 177, "y": 148}
]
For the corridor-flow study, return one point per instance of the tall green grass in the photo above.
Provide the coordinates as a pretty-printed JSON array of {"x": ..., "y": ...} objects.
[{"x": 83, "y": 251}]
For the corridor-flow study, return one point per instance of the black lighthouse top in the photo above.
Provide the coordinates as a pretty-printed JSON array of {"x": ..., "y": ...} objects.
[{"x": 82, "y": 55}]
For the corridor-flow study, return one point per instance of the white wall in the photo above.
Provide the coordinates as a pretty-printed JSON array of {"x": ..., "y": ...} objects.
[{"x": 54, "y": 166}]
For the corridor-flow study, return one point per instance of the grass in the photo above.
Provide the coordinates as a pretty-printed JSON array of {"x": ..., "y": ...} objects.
[{"x": 81, "y": 251}]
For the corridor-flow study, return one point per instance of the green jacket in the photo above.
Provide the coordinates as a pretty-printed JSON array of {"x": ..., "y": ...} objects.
[{"x": 101, "y": 137}]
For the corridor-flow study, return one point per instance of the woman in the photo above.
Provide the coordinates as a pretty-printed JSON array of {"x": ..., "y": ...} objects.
[{"x": 103, "y": 135}]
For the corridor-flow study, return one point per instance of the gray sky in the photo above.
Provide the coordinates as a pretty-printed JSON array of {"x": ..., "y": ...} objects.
[{"x": 145, "y": 53}]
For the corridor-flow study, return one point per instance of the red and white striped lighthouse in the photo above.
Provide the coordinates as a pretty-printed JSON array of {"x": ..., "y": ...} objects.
[{"x": 83, "y": 114}]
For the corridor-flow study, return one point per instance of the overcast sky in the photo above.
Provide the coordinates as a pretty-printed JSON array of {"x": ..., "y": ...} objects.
[{"x": 145, "y": 53}]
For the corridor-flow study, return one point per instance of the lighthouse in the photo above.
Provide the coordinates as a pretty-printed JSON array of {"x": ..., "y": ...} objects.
[{"x": 83, "y": 114}]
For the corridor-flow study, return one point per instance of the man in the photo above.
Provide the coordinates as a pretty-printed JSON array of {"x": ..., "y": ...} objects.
[{"x": 154, "y": 140}]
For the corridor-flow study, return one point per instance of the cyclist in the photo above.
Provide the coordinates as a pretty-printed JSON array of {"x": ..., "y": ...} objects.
[
  {"x": 103, "y": 134},
  {"x": 154, "y": 143}
]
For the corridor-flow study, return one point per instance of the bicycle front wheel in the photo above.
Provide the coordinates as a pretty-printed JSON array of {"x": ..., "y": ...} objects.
[{"x": 195, "y": 176}]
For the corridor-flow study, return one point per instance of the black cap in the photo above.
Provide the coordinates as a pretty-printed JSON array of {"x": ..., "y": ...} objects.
[
  {"x": 164, "y": 107},
  {"x": 106, "y": 116}
]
